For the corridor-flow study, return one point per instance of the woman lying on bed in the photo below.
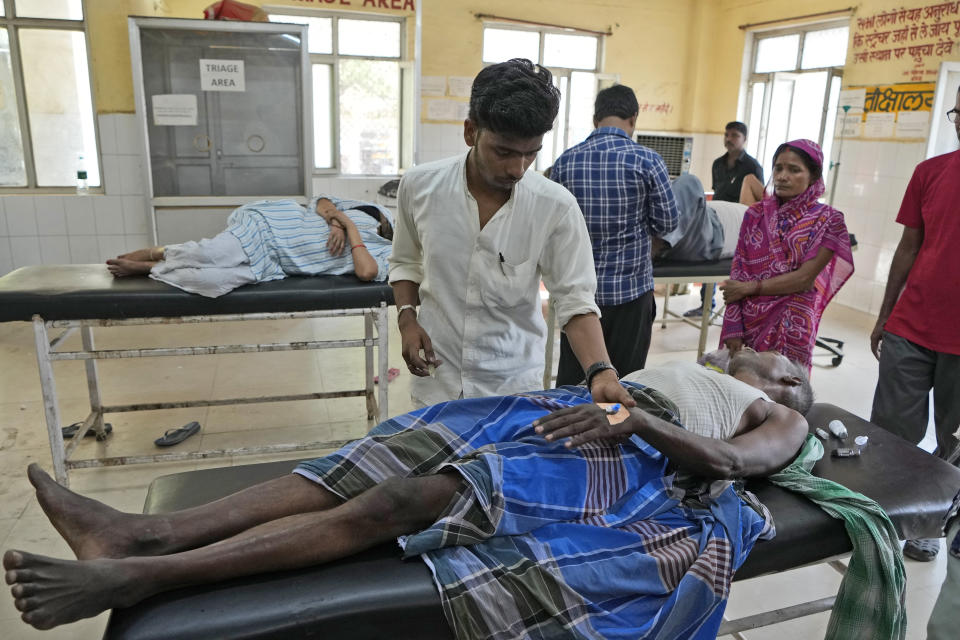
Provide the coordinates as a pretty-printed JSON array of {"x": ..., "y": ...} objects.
[{"x": 270, "y": 240}]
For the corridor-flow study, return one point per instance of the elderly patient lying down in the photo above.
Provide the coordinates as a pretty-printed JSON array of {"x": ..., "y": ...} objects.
[
  {"x": 705, "y": 230},
  {"x": 539, "y": 513},
  {"x": 269, "y": 240}
]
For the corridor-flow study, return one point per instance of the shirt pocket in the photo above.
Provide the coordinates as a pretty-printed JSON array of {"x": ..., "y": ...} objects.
[{"x": 510, "y": 283}]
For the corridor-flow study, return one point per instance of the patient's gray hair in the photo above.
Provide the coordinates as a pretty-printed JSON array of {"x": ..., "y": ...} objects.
[{"x": 800, "y": 397}]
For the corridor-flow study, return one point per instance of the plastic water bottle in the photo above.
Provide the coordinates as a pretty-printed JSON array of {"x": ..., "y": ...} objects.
[
  {"x": 838, "y": 429},
  {"x": 81, "y": 175}
]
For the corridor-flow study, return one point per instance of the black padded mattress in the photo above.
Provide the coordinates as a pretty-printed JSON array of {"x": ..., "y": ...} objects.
[
  {"x": 88, "y": 291},
  {"x": 377, "y": 595}
]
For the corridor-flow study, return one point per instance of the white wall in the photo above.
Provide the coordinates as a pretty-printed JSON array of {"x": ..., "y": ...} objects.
[{"x": 872, "y": 180}]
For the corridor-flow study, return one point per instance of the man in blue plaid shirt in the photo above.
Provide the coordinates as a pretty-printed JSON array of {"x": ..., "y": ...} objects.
[{"x": 624, "y": 192}]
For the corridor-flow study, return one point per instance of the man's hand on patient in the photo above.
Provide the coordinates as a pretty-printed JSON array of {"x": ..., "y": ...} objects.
[
  {"x": 606, "y": 387},
  {"x": 414, "y": 341},
  {"x": 585, "y": 423}
]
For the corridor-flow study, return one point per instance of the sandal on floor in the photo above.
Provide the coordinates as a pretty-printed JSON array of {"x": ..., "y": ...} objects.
[
  {"x": 71, "y": 431},
  {"x": 922, "y": 549},
  {"x": 176, "y": 436}
]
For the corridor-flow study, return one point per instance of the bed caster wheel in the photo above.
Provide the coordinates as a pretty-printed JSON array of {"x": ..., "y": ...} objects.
[{"x": 836, "y": 361}]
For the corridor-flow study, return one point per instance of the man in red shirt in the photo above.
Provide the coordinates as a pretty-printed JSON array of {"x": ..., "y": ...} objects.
[{"x": 917, "y": 326}]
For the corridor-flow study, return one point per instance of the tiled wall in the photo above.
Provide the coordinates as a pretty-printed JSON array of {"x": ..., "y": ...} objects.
[
  {"x": 872, "y": 179},
  {"x": 50, "y": 229},
  {"x": 56, "y": 229}
]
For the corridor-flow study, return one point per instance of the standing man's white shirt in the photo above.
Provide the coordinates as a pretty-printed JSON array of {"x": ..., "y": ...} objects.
[{"x": 479, "y": 289}]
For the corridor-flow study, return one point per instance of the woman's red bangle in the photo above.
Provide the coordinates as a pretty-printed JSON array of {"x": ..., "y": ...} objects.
[{"x": 357, "y": 246}]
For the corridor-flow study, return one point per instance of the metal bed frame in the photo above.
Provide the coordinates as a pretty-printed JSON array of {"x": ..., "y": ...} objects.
[{"x": 48, "y": 353}]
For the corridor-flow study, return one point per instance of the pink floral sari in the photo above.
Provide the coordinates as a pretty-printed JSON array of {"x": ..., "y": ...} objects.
[{"x": 776, "y": 239}]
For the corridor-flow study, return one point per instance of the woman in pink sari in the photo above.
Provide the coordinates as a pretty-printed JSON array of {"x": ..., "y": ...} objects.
[{"x": 792, "y": 257}]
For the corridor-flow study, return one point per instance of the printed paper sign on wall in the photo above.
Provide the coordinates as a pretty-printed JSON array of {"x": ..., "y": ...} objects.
[{"x": 221, "y": 75}]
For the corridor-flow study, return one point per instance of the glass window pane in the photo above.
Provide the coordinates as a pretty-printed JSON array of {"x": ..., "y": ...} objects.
[
  {"x": 368, "y": 38},
  {"x": 319, "y": 31},
  {"x": 322, "y": 116},
  {"x": 827, "y": 48},
  {"x": 777, "y": 121},
  {"x": 553, "y": 140},
  {"x": 59, "y": 107},
  {"x": 583, "y": 93},
  {"x": 754, "y": 118},
  {"x": 63, "y": 9},
  {"x": 572, "y": 52},
  {"x": 832, "y": 115},
  {"x": 12, "y": 170},
  {"x": 369, "y": 117},
  {"x": 777, "y": 54},
  {"x": 806, "y": 111},
  {"x": 500, "y": 45}
]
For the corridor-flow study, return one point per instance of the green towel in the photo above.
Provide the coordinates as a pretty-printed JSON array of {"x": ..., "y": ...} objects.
[{"x": 870, "y": 603}]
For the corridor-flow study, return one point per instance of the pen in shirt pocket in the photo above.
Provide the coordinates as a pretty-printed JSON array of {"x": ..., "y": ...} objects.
[{"x": 502, "y": 270}]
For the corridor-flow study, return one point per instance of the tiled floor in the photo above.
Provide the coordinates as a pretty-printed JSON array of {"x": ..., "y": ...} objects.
[{"x": 23, "y": 436}]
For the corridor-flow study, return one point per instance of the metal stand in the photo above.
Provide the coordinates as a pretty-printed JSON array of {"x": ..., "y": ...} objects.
[{"x": 47, "y": 354}]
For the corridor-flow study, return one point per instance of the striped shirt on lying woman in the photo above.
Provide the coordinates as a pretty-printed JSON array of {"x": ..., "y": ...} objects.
[{"x": 282, "y": 238}]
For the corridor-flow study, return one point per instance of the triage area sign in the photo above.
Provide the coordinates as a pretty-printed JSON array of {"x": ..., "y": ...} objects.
[{"x": 221, "y": 75}]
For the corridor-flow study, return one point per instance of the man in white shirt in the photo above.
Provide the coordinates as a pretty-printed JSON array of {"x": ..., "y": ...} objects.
[{"x": 474, "y": 236}]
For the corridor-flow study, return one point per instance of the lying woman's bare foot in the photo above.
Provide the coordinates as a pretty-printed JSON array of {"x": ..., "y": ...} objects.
[
  {"x": 50, "y": 592},
  {"x": 91, "y": 528},
  {"x": 120, "y": 267},
  {"x": 150, "y": 254}
]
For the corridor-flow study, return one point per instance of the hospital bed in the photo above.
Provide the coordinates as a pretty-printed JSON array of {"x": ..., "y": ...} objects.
[
  {"x": 377, "y": 595},
  {"x": 84, "y": 297},
  {"x": 710, "y": 273}
]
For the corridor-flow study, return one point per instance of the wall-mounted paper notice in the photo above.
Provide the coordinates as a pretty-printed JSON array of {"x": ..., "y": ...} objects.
[
  {"x": 222, "y": 75},
  {"x": 879, "y": 125},
  {"x": 174, "y": 109},
  {"x": 852, "y": 98},
  {"x": 463, "y": 110},
  {"x": 433, "y": 86},
  {"x": 849, "y": 125},
  {"x": 460, "y": 86},
  {"x": 443, "y": 109},
  {"x": 913, "y": 124}
]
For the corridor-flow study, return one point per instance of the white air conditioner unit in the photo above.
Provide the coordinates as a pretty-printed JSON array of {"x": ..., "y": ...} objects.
[{"x": 675, "y": 151}]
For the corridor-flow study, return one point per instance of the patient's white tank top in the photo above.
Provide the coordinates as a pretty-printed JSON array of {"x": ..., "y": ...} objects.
[{"x": 710, "y": 403}]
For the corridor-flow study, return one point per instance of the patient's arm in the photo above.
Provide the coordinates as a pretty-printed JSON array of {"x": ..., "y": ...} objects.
[
  {"x": 364, "y": 265},
  {"x": 798, "y": 281},
  {"x": 327, "y": 211},
  {"x": 769, "y": 436}
]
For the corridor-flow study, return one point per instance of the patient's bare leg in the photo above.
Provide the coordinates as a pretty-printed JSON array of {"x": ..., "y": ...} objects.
[
  {"x": 51, "y": 592},
  {"x": 150, "y": 254},
  {"x": 135, "y": 263},
  {"x": 94, "y": 530},
  {"x": 121, "y": 267}
]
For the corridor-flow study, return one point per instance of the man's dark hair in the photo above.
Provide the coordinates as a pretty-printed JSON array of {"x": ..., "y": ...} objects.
[
  {"x": 515, "y": 98},
  {"x": 618, "y": 100},
  {"x": 815, "y": 169},
  {"x": 737, "y": 126}
]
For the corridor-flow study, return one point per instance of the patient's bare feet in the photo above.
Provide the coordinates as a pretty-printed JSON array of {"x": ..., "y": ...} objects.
[
  {"x": 150, "y": 254},
  {"x": 50, "y": 592},
  {"x": 121, "y": 266},
  {"x": 91, "y": 528}
]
